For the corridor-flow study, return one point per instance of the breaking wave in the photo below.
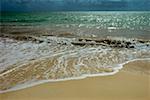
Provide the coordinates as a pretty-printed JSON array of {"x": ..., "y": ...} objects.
[{"x": 59, "y": 58}]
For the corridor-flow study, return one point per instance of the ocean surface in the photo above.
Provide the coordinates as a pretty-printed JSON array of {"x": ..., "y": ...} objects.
[
  {"x": 129, "y": 24},
  {"x": 71, "y": 45}
]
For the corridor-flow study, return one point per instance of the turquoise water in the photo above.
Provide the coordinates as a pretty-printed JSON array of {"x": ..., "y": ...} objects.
[
  {"x": 50, "y": 57},
  {"x": 104, "y": 19},
  {"x": 97, "y": 23}
]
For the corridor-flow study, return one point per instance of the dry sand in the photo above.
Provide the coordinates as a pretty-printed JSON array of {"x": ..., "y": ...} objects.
[{"x": 131, "y": 83}]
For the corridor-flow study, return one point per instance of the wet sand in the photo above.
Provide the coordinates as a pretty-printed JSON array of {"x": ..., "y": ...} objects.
[{"x": 131, "y": 83}]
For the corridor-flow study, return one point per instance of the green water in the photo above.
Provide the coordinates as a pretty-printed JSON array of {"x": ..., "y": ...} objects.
[
  {"x": 83, "y": 22},
  {"x": 53, "y": 57}
]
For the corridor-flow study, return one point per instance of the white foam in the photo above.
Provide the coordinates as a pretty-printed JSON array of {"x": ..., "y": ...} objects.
[
  {"x": 83, "y": 76},
  {"x": 108, "y": 56}
]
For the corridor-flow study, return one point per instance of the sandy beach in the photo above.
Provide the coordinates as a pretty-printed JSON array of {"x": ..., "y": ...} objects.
[{"x": 131, "y": 83}]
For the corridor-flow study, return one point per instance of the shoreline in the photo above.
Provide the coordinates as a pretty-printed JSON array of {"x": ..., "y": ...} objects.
[
  {"x": 124, "y": 85},
  {"x": 84, "y": 76},
  {"x": 75, "y": 56}
]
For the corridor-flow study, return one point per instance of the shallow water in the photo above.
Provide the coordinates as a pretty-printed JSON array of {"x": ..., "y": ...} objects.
[{"x": 58, "y": 57}]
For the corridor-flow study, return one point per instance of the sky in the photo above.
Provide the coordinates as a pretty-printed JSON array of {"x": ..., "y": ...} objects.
[{"x": 74, "y": 5}]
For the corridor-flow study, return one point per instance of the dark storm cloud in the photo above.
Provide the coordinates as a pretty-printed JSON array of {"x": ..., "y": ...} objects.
[{"x": 63, "y": 5}]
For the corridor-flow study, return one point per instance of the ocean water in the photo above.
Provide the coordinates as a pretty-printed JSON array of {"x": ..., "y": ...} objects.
[
  {"x": 111, "y": 39},
  {"x": 127, "y": 24}
]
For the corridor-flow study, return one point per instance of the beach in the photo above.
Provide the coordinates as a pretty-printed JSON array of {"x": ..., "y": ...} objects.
[
  {"x": 75, "y": 56},
  {"x": 131, "y": 83}
]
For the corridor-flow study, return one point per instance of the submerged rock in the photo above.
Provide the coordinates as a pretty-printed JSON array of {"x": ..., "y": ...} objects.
[{"x": 115, "y": 43}]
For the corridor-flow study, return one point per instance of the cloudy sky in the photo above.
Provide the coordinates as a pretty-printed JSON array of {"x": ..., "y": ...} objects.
[{"x": 74, "y": 5}]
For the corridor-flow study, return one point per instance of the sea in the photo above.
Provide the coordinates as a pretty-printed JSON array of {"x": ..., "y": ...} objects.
[
  {"x": 74, "y": 45},
  {"x": 128, "y": 24}
]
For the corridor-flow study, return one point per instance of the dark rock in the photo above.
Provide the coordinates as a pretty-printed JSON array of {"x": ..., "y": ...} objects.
[
  {"x": 47, "y": 35},
  {"x": 88, "y": 40},
  {"x": 80, "y": 40},
  {"x": 107, "y": 41},
  {"x": 34, "y": 40},
  {"x": 64, "y": 44},
  {"x": 127, "y": 46},
  {"x": 128, "y": 43},
  {"x": 141, "y": 41},
  {"x": 40, "y": 41},
  {"x": 78, "y": 43},
  {"x": 121, "y": 46},
  {"x": 118, "y": 42},
  {"x": 113, "y": 42},
  {"x": 5, "y": 36},
  {"x": 131, "y": 47}
]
